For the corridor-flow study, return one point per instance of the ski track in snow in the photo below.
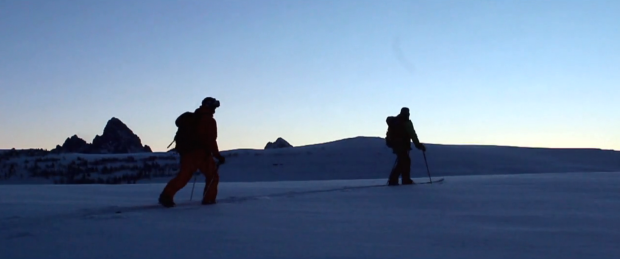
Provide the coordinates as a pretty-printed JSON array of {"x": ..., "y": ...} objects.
[{"x": 18, "y": 221}]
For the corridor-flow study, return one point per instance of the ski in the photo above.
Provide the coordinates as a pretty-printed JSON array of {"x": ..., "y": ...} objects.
[
  {"x": 440, "y": 180},
  {"x": 433, "y": 181}
]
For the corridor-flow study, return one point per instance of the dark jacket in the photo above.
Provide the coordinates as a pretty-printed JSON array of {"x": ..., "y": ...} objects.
[{"x": 403, "y": 133}]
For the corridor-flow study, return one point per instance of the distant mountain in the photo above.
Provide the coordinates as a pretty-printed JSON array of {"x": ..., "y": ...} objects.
[
  {"x": 279, "y": 143},
  {"x": 117, "y": 138}
]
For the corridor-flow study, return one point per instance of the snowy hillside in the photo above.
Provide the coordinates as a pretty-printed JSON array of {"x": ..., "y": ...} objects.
[
  {"x": 496, "y": 202},
  {"x": 369, "y": 158},
  {"x": 354, "y": 158},
  {"x": 568, "y": 215}
]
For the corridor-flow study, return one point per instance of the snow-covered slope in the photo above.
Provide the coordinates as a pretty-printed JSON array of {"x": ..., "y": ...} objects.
[
  {"x": 353, "y": 158},
  {"x": 488, "y": 207},
  {"x": 568, "y": 215},
  {"x": 365, "y": 158}
]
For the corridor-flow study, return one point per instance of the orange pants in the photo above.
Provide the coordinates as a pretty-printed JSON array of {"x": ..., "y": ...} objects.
[{"x": 190, "y": 162}]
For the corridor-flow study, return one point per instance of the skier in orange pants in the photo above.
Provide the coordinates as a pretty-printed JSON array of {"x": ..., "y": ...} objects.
[
  {"x": 197, "y": 146},
  {"x": 197, "y": 160}
]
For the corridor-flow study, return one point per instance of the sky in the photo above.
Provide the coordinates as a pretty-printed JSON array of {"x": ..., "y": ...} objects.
[{"x": 519, "y": 73}]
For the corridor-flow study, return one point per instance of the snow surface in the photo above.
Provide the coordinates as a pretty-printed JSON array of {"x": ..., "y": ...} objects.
[
  {"x": 329, "y": 201},
  {"x": 563, "y": 215}
]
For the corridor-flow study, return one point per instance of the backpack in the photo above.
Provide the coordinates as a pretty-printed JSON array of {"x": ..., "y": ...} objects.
[
  {"x": 396, "y": 131},
  {"x": 186, "y": 137}
]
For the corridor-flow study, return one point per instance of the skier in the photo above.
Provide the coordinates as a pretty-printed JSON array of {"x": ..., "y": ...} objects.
[
  {"x": 196, "y": 143},
  {"x": 399, "y": 136}
]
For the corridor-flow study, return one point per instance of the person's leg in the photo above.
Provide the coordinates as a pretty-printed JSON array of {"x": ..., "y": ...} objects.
[
  {"x": 402, "y": 164},
  {"x": 393, "y": 178},
  {"x": 406, "y": 168},
  {"x": 187, "y": 168},
  {"x": 212, "y": 177}
]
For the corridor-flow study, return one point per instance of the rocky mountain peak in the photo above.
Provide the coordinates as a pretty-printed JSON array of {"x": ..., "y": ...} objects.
[
  {"x": 116, "y": 138},
  {"x": 279, "y": 143},
  {"x": 73, "y": 144}
]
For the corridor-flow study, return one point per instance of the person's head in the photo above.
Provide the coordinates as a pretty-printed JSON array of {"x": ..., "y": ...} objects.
[
  {"x": 210, "y": 104},
  {"x": 404, "y": 113}
]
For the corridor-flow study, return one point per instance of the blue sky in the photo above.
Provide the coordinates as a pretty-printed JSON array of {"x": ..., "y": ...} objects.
[{"x": 523, "y": 73}]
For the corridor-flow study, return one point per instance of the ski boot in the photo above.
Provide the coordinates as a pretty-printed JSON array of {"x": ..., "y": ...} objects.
[
  {"x": 166, "y": 201},
  {"x": 208, "y": 202},
  {"x": 407, "y": 182},
  {"x": 392, "y": 183}
]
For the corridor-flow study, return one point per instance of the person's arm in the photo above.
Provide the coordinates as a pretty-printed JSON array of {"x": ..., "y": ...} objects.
[
  {"x": 212, "y": 138},
  {"x": 414, "y": 136},
  {"x": 412, "y": 133}
]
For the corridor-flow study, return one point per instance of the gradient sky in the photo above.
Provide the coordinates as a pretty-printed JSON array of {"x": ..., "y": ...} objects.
[{"x": 523, "y": 73}]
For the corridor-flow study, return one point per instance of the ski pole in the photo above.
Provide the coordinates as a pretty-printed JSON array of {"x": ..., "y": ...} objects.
[
  {"x": 217, "y": 166},
  {"x": 427, "y": 171},
  {"x": 193, "y": 185}
]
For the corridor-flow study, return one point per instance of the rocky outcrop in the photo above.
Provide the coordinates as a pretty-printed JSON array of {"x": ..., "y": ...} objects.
[
  {"x": 279, "y": 143},
  {"x": 117, "y": 138},
  {"x": 74, "y": 144}
]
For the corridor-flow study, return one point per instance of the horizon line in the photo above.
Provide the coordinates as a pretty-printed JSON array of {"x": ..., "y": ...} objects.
[{"x": 350, "y": 138}]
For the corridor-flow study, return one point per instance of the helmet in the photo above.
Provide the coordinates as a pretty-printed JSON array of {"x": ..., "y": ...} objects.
[
  {"x": 210, "y": 102},
  {"x": 404, "y": 111}
]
